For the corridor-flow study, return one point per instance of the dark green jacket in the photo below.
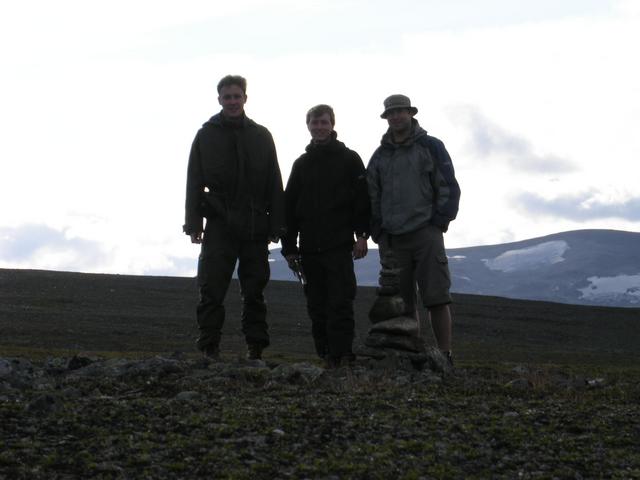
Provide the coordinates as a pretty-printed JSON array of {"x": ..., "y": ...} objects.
[{"x": 234, "y": 180}]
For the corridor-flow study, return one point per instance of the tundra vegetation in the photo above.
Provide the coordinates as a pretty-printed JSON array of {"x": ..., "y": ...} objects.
[{"x": 98, "y": 379}]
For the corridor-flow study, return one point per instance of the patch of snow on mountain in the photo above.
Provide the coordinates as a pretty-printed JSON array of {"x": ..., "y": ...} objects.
[
  {"x": 540, "y": 255},
  {"x": 456, "y": 257},
  {"x": 618, "y": 286}
]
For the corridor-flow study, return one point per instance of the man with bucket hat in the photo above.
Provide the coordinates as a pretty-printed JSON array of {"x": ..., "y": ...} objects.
[{"x": 414, "y": 195}]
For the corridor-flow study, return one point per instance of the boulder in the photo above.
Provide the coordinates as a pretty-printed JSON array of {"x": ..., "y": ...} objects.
[
  {"x": 398, "y": 325},
  {"x": 385, "y": 308},
  {"x": 188, "y": 396},
  {"x": 391, "y": 281},
  {"x": 5, "y": 368},
  {"x": 388, "y": 260},
  {"x": 429, "y": 359},
  {"x": 80, "y": 360},
  {"x": 402, "y": 342},
  {"x": 388, "y": 291},
  {"x": 44, "y": 404},
  {"x": 303, "y": 372}
]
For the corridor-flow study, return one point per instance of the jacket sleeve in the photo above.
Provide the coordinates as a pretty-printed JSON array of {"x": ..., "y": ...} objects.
[
  {"x": 291, "y": 196},
  {"x": 195, "y": 188},
  {"x": 373, "y": 184},
  {"x": 447, "y": 188},
  {"x": 276, "y": 194},
  {"x": 361, "y": 213}
]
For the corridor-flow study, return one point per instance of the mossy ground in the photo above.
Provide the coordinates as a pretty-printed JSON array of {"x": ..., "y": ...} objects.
[{"x": 552, "y": 422}]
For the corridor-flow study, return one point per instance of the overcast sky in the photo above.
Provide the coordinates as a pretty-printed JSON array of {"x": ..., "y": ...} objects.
[{"x": 538, "y": 103}]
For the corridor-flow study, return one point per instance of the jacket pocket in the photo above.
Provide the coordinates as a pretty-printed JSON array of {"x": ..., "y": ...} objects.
[{"x": 214, "y": 206}]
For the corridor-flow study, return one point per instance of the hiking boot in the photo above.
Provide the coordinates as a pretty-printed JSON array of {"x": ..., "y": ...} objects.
[
  {"x": 211, "y": 353},
  {"x": 449, "y": 357},
  {"x": 347, "y": 360},
  {"x": 331, "y": 363},
  {"x": 254, "y": 351}
]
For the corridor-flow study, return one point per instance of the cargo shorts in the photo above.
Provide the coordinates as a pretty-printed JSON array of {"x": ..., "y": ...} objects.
[{"x": 423, "y": 264}]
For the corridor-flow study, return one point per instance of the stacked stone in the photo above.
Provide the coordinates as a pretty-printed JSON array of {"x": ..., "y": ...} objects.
[{"x": 394, "y": 336}]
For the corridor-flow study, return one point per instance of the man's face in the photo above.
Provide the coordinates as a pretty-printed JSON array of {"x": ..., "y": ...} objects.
[
  {"x": 320, "y": 128},
  {"x": 399, "y": 120},
  {"x": 232, "y": 100}
]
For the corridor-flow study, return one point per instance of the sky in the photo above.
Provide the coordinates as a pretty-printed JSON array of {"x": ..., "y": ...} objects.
[{"x": 537, "y": 102}]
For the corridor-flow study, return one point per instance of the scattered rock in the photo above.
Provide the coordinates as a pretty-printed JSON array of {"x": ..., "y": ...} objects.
[
  {"x": 283, "y": 372},
  {"x": 436, "y": 361},
  {"x": 80, "y": 360},
  {"x": 178, "y": 355},
  {"x": 395, "y": 361},
  {"x": 188, "y": 396},
  {"x": 55, "y": 365},
  {"x": 257, "y": 363},
  {"x": 308, "y": 371},
  {"x": 596, "y": 382},
  {"x": 5, "y": 388},
  {"x": 108, "y": 467},
  {"x": 5, "y": 368},
  {"x": 44, "y": 404},
  {"x": 70, "y": 392},
  {"x": 402, "y": 342},
  {"x": 519, "y": 383},
  {"x": 520, "y": 370},
  {"x": 119, "y": 367},
  {"x": 296, "y": 373}
]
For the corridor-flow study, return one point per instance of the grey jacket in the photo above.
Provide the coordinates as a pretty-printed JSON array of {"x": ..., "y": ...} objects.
[{"x": 411, "y": 185}]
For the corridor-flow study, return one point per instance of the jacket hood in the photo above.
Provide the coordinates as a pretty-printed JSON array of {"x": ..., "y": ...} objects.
[
  {"x": 416, "y": 132},
  {"x": 331, "y": 146}
]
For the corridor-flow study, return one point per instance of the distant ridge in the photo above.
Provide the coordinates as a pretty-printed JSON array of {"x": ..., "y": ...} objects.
[{"x": 582, "y": 267}]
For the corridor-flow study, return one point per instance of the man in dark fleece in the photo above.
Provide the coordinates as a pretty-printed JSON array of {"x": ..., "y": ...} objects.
[
  {"x": 414, "y": 195},
  {"x": 233, "y": 180},
  {"x": 327, "y": 204}
]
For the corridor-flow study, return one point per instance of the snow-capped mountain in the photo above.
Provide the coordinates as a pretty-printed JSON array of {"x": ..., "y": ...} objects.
[{"x": 589, "y": 267}]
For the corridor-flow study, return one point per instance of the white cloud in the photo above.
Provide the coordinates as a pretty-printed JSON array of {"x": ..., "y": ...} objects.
[
  {"x": 100, "y": 107},
  {"x": 581, "y": 206},
  {"x": 491, "y": 141}
]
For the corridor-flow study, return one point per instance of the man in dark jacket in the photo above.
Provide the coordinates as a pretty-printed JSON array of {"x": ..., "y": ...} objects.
[
  {"x": 414, "y": 195},
  {"x": 326, "y": 205},
  {"x": 233, "y": 180}
]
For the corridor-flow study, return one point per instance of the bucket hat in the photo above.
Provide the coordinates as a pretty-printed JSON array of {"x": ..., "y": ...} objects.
[{"x": 397, "y": 101}]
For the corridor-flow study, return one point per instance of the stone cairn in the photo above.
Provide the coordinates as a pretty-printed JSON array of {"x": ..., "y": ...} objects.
[{"x": 394, "y": 337}]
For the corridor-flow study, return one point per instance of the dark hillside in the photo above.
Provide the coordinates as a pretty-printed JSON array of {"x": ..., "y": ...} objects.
[{"x": 95, "y": 312}]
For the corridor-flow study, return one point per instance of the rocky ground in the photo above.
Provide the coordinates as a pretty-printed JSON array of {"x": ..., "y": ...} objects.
[
  {"x": 540, "y": 390},
  {"x": 177, "y": 417}
]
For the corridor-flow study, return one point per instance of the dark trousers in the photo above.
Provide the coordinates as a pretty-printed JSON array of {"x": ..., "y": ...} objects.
[
  {"x": 220, "y": 251},
  {"x": 330, "y": 290}
]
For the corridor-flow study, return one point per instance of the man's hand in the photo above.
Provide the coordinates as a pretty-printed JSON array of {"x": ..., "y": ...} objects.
[
  {"x": 295, "y": 264},
  {"x": 196, "y": 237},
  {"x": 360, "y": 248},
  {"x": 291, "y": 260}
]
